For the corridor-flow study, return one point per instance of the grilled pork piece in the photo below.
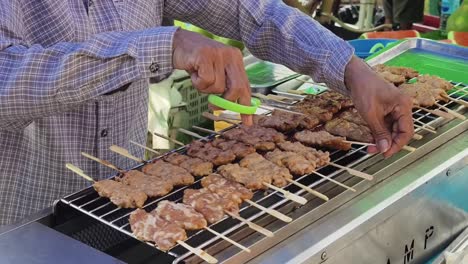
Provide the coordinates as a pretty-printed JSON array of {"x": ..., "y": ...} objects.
[
  {"x": 318, "y": 157},
  {"x": 205, "y": 151},
  {"x": 285, "y": 121},
  {"x": 435, "y": 82},
  {"x": 353, "y": 116},
  {"x": 276, "y": 122},
  {"x": 344, "y": 128},
  {"x": 209, "y": 204},
  {"x": 227, "y": 189},
  {"x": 239, "y": 149},
  {"x": 305, "y": 122},
  {"x": 405, "y": 72},
  {"x": 323, "y": 115},
  {"x": 264, "y": 168},
  {"x": 323, "y": 106},
  {"x": 152, "y": 186},
  {"x": 150, "y": 227},
  {"x": 120, "y": 194},
  {"x": 245, "y": 176},
  {"x": 168, "y": 172},
  {"x": 420, "y": 93},
  {"x": 297, "y": 164},
  {"x": 195, "y": 166},
  {"x": 322, "y": 138},
  {"x": 260, "y": 137},
  {"x": 180, "y": 214},
  {"x": 344, "y": 101},
  {"x": 397, "y": 80}
]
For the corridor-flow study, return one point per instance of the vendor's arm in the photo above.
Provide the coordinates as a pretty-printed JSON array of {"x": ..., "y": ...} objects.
[
  {"x": 37, "y": 81},
  {"x": 275, "y": 32}
]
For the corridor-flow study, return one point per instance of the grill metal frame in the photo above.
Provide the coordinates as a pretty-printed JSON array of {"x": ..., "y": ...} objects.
[{"x": 89, "y": 203}]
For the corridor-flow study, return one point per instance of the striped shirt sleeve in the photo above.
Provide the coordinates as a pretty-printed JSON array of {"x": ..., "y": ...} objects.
[{"x": 37, "y": 81}]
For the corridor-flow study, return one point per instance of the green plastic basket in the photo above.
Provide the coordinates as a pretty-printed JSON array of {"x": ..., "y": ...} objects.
[{"x": 196, "y": 102}]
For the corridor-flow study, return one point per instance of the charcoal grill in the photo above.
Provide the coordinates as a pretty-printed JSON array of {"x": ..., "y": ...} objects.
[{"x": 106, "y": 217}]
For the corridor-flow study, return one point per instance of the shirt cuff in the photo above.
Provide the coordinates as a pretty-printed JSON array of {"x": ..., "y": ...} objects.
[
  {"x": 335, "y": 66},
  {"x": 154, "y": 52}
]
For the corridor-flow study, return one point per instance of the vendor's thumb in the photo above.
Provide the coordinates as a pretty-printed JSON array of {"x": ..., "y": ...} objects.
[{"x": 381, "y": 134}]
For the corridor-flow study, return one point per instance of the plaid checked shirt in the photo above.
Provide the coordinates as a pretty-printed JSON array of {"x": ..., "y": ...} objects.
[{"x": 61, "y": 63}]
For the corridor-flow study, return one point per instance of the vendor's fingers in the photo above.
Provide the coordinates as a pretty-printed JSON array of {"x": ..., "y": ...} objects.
[
  {"x": 204, "y": 76},
  {"x": 372, "y": 149},
  {"x": 403, "y": 130},
  {"x": 220, "y": 76}
]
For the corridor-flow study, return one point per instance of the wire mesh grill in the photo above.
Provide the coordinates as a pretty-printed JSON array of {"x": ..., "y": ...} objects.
[{"x": 90, "y": 203}]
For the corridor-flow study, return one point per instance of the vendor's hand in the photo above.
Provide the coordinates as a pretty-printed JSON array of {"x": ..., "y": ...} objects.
[
  {"x": 383, "y": 107},
  {"x": 214, "y": 67}
]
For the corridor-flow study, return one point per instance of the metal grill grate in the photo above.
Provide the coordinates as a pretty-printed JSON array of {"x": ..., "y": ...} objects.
[{"x": 88, "y": 201}]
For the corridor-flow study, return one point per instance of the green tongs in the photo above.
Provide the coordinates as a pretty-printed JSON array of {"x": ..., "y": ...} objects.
[{"x": 234, "y": 107}]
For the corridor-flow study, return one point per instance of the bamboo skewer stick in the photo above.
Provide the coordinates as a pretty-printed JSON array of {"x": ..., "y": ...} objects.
[
  {"x": 202, "y": 254},
  {"x": 264, "y": 97},
  {"x": 405, "y": 147},
  {"x": 271, "y": 212},
  {"x": 103, "y": 162},
  {"x": 417, "y": 136},
  {"x": 228, "y": 239},
  {"x": 281, "y": 98},
  {"x": 458, "y": 101},
  {"x": 290, "y": 196},
  {"x": 125, "y": 153},
  {"x": 424, "y": 124},
  {"x": 230, "y": 117},
  {"x": 450, "y": 111},
  {"x": 310, "y": 190},
  {"x": 271, "y": 108},
  {"x": 175, "y": 141},
  {"x": 298, "y": 92},
  {"x": 217, "y": 118},
  {"x": 437, "y": 112},
  {"x": 335, "y": 181},
  {"x": 79, "y": 172},
  {"x": 253, "y": 226},
  {"x": 209, "y": 131},
  {"x": 354, "y": 172},
  {"x": 190, "y": 133},
  {"x": 145, "y": 147},
  {"x": 426, "y": 129}
]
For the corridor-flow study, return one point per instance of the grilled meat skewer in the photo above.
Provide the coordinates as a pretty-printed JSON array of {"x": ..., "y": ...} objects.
[
  {"x": 180, "y": 214},
  {"x": 322, "y": 138},
  {"x": 211, "y": 205},
  {"x": 120, "y": 194},
  {"x": 206, "y": 151},
  {"x": 294, "y": 162},
  {"x": 150, "y": 227},
  {"x": 264, "y": 168},
  {"x": 261, "y": 138},
  {"x": 170, "y": 173},
  {"x": 320, "y": 158},
  {"x": 239, "y": 149},
  {"x": 227, "y": 189},
  {"x": 197, "y": 167},
  {"x": 152, "y": 186}
]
